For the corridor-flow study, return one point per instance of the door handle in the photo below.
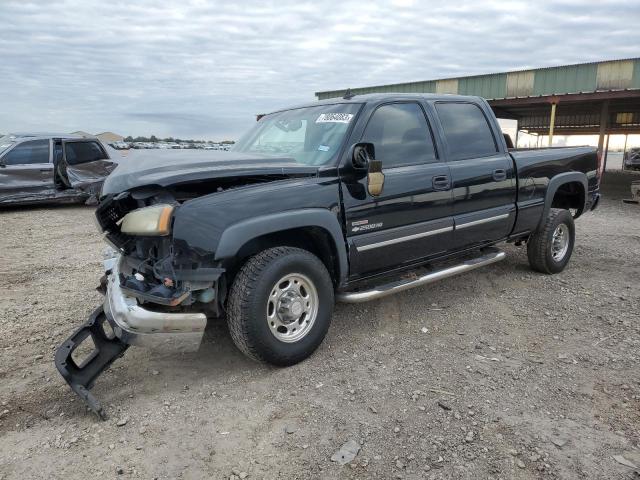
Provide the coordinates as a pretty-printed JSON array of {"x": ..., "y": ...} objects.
[
  {"x": 499, "y": 174},
  {"x": 441, "y": 182}
]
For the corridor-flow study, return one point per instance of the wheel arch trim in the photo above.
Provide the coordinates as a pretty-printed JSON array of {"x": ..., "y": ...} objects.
[
  {"x": 556, "y": 182},
  {"x": 237, "y": 235}
]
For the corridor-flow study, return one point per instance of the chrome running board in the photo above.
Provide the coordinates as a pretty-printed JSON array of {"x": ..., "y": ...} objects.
[{"x": 490, "y": 256}]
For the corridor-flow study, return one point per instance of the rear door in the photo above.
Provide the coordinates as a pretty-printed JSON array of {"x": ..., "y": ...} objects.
[
  {"x": 411, "y": 219},
  {"x": 482, "y": 174},
  {"x": 26, "y": 171},
  {"x": 85, "y": 163}
]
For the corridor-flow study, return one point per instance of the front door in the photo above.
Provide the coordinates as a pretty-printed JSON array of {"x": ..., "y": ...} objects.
[
  {"x": 411, "y": 219},
  {"x": 26, "y": 172},
  {"x": 85, "y": 164},
  {"x": 483, "y": 177}
]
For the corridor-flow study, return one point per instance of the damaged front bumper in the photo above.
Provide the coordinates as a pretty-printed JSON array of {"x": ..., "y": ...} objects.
[
  {"x": 136, "y": 325},
  {"x": 129, "y": 323}
]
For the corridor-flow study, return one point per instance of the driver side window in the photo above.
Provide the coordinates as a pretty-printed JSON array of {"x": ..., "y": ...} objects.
[{"x": 400, "y": 134}]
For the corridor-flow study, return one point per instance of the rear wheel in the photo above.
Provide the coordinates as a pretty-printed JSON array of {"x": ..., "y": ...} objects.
[
  {"x": 280, "y": 305},
  {"x": 550, "y": 248}
]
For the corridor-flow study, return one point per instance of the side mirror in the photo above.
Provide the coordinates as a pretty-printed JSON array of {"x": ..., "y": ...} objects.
[
  {"x": 361, "y": 155},
  {"x": 2, "y": 164}
]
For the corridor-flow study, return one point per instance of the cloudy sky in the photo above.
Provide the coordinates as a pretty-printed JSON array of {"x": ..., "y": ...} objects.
[{"x": 203, "y": 69}]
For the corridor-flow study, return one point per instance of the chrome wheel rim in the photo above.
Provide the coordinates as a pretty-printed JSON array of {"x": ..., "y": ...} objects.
[
  {"x": 292, "y": 307},
  {"x": 560, "y": 242}
]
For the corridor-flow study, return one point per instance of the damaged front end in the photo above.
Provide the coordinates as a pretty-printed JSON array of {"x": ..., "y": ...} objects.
[{"x": 155, "y": 294}]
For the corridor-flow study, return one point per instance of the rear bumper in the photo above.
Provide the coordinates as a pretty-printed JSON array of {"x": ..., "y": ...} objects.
[{"x": 136, "y": 325}]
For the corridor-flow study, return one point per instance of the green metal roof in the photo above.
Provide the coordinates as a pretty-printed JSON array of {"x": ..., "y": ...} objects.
[{"x": 580, "y": 78}]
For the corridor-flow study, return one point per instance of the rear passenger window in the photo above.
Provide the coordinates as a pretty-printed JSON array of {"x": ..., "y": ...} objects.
[
  {"x": 400, "y": 135},
  {"x": 467, "y": 131},
  {"x": 82, "y": 152},
  {"x": 33, "y": 151}
]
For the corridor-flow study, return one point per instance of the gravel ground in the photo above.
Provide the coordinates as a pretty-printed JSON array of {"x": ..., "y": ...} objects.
[{"x": 500, "y": 373}]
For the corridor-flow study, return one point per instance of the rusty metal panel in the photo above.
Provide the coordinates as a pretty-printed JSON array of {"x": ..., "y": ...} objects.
[
  {"x": 569, "y": 79},
  {"x": 520, "y": 84},
  {"x": 449, "y": 85},
  {"x": 615, "y": 75},
  {"x": 487, "y": 86}
]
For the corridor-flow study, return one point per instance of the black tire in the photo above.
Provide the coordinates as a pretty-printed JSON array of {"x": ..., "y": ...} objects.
[
  {"x": 540, "y": 245},
  {"x": 248, "y": 300}
]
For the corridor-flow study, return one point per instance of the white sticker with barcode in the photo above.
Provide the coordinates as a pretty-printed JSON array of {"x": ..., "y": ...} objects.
[{"x": 334, "y": 118}]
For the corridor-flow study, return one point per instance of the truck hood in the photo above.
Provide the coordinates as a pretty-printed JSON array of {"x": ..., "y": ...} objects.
[{"x": 172, "y": 167}]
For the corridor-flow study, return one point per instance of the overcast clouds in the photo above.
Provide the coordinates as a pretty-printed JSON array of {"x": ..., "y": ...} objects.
[{"x": 204, "y": 69}]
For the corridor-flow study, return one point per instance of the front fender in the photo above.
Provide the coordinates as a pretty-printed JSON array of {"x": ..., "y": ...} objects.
[
  {"x": 238, "y": 234},
  {"x": 214, "y": 227}
]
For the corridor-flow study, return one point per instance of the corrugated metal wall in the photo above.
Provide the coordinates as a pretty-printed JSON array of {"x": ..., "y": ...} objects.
[
  {"x": 447, "y": 86},
  {"x": 587, "y": 77},
  {"x": 570, "y": 79},
  {"x": 635, "y": 81},
  {"x": 615, "y": 75},
  {"x": 487, "y": 86},
  {"x": 520, "y": 84}
]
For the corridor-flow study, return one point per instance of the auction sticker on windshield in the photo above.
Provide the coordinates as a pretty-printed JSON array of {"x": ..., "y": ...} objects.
[{"x": 334, "y": 118}]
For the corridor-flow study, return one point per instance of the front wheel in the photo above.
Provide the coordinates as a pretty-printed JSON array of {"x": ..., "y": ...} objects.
[
  {"x": 280, "y": 305},
  {"x": 550, "y": 248}
]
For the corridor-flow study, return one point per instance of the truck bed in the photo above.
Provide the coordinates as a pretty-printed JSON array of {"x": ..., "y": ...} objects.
[{"x": 538, "y": 170}]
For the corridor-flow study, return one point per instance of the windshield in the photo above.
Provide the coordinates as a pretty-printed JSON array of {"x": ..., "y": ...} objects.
[
  {"x": 310, "y": 135},
  {"x": 6, "y": 142}
]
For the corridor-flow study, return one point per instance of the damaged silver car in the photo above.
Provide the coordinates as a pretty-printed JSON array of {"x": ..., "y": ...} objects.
[{"x": 51, "y": 168}]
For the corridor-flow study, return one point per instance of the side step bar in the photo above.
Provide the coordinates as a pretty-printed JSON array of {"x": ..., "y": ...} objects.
[{"x": 489, "y": 256}]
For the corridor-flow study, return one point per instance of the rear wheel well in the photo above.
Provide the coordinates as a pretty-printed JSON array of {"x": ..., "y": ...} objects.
[
  {"x": 570, "y": 196},
  {"x": 315, "y": 240}
]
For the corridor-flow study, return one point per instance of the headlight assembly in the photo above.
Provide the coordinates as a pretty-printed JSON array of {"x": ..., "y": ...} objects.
[{"x": 154, "y": 220}]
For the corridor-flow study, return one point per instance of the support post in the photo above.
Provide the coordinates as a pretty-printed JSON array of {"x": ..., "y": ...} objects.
[
  {"x": 606, "y": 153},
  {"x": 624, "y": 150},
  {"x": 552, "y": 123},
  {"x": 604, "y": 116}
]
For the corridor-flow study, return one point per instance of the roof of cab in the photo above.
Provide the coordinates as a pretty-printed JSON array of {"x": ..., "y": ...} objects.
[{"x": 383, "y": 97}]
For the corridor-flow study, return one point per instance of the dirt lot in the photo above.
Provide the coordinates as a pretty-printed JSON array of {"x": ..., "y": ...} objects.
[{"x": 501, "y": 373}]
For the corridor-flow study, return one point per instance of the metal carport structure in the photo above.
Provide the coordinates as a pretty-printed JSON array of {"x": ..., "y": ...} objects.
[{"x": 600, "y": 98}]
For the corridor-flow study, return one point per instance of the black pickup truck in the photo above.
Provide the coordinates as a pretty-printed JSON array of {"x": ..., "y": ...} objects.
[{"x": 349, "y": 199}]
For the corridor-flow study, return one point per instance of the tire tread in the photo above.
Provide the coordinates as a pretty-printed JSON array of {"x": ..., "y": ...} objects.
[
  {"x": 241, "y": 296},
  {"x": 539, "y": 243}
]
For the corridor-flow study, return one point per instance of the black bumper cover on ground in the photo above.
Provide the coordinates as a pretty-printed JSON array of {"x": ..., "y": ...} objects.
[{"x": 81, "y": 378}]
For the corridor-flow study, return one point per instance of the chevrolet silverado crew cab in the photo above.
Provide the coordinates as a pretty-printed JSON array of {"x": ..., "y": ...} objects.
[{"x": 347, "y": 199}]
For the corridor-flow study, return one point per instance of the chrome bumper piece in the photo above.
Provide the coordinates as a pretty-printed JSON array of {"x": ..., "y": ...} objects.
[{"x": 136, "y": 325}]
